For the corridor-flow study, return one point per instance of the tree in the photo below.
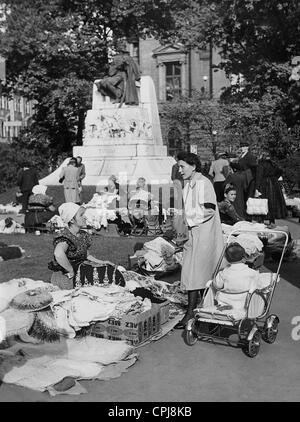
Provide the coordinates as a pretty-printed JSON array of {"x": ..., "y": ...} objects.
[
  {"x": 56, "y": 48},
  {"x": 256, "y": 39}
]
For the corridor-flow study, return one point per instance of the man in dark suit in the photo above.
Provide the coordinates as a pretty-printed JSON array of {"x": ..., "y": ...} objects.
[
  {"x": 27, "y": 178},
  {"x": 247, "y": 163}
]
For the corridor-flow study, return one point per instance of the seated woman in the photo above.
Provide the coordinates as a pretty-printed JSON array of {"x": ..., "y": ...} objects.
[
  {"x": 227, "y": 210},
  {"x": 71, "y": 247},
  {"x": 139, "y": 204},
  {"x": 40, "y": 208}
]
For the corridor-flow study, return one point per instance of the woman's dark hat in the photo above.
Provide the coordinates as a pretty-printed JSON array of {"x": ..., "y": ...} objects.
[{"x": 234, "y": 253}]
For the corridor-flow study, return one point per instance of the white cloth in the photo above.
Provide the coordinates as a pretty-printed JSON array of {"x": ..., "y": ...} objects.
[
  {"x": 14, "y": 228},
  {"x": 67, "y": 211},
  {"x": 74, "y": 309},
  {"x": 77, "y": 358},
  {"x": 158, "y": 244},
  {"x": 250, "y": 242},
  {"x": 140, "y": 195},
  {"x": 39, "y": 189}
]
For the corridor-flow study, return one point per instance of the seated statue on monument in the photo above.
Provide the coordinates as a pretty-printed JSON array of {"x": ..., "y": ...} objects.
[{"x": 119, "y": 84}]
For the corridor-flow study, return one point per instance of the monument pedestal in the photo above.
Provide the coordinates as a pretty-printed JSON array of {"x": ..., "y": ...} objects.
[{"x": 124, "y": 141}]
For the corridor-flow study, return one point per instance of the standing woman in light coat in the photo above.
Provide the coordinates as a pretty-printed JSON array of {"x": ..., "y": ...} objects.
[
  {"x": 204, "y": 247},
  {"x": 70, "y": 178}
]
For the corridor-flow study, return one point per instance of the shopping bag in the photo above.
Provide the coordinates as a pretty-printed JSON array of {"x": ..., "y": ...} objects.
[{"x": 257, "y": 206}]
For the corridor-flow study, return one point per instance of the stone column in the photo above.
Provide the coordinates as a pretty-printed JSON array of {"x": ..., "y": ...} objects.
[
  {"x": 161, "y": 82},
  {"x": 184, "y": 85}
]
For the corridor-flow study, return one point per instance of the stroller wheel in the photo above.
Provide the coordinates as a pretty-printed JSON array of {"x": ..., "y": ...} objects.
[
  {"x": 189, "y": 335},
  {"x": 270, "y": 330},
  {"x": 252, "y": 345}
]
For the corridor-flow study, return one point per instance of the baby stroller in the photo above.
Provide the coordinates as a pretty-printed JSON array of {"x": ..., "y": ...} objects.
[{"x": 255, "y": 322}]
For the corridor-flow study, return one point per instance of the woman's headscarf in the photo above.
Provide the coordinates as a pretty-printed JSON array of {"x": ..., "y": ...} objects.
[
  {"x": 67, "y": 211},
  {"x": 39, "y": 189}
]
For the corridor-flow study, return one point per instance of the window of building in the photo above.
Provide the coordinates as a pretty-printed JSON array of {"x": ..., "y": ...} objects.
[
  {"x": 173, "y": 80},
  {"x": 4, "y": 103},
  {"x": 28, "y": 107},
  {"x": 174, "y": 142},
  {"x": 18, "y": 104}
]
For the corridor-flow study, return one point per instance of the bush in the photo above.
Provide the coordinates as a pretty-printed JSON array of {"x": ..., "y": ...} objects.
[{"x": 31, "y": 147}]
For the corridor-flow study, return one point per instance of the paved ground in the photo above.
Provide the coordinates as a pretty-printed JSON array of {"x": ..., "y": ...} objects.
[{"x": 168, "y": 370}]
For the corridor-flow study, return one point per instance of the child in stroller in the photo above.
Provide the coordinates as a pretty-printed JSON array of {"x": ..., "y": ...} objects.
[{"x": 235, "y": 281}]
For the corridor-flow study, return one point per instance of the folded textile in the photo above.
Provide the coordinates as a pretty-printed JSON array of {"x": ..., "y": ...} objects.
[
  {"x": 157, "y": 244},
  {"x": 153, "y": 259},
  {"x": 79, "y": 308},
  {"x": 250, "y": 242},
  {"x": 40, "y": 366},
  {"x": 13, "y": 228}
]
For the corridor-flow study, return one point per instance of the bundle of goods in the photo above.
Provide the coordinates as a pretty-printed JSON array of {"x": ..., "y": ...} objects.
[
  {"x": 10, "y": 252},
  {"x": 9, "y": 226},
  {"x": 97, "y": 210},
  {"x": 251, "y": 242},
  {"x": 273, "y": 243},
  {"x": 253, "y": 247},
  {"x": 157, "y": 256},
  {"x": 11, "y": 208},
  {"x": 293, "y": 205}
]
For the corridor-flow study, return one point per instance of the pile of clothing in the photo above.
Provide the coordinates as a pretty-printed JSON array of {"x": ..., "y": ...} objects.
[
  {"x": 11, "y": 208},
  {"x": 270, "y": 241},
  {"x": 158, "y": 255},
  {"x": 38, "y": 312},
  {"x": 9, "y": 226},
  {"x": 98, "y": 210}
]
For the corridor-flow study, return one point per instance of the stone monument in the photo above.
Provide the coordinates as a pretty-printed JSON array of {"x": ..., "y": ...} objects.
[
  {"x": 124, "y": 140},
  {"x": 122, "y": 134}
]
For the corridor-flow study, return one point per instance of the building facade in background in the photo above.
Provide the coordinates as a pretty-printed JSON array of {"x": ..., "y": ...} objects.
[
  {"x": 177, "y": 70},
  {"x": 15, "y": 111}
]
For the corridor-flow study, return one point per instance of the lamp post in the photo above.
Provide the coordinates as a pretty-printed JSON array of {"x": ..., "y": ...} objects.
[
  {"x": 205, "y": 79},
  {"x": 214, "y": 142}
]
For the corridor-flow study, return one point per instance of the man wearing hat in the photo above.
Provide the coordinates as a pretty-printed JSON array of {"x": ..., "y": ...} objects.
[
  {"x": 218, "y": 171},
  {"x": 247, "y": 163},
  {"x": 235, "y": 281}
]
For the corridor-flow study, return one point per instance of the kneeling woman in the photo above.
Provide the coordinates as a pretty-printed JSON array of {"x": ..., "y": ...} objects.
[
  {"x": 204, "y": 247},
  {"x": 71, "y": 247}
]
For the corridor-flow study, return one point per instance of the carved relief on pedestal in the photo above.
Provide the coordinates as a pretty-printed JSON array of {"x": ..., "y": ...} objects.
[{"x": 127, "y": 124}]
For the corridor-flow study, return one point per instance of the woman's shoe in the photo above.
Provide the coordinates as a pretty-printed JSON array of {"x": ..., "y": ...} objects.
[{"x": 180, "y": 325}]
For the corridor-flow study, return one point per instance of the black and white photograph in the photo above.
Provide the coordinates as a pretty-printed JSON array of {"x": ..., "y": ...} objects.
[{"x": 149, "y": 203}]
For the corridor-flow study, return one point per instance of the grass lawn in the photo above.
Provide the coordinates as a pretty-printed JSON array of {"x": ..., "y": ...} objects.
[{"x": 39, "y": 250}]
